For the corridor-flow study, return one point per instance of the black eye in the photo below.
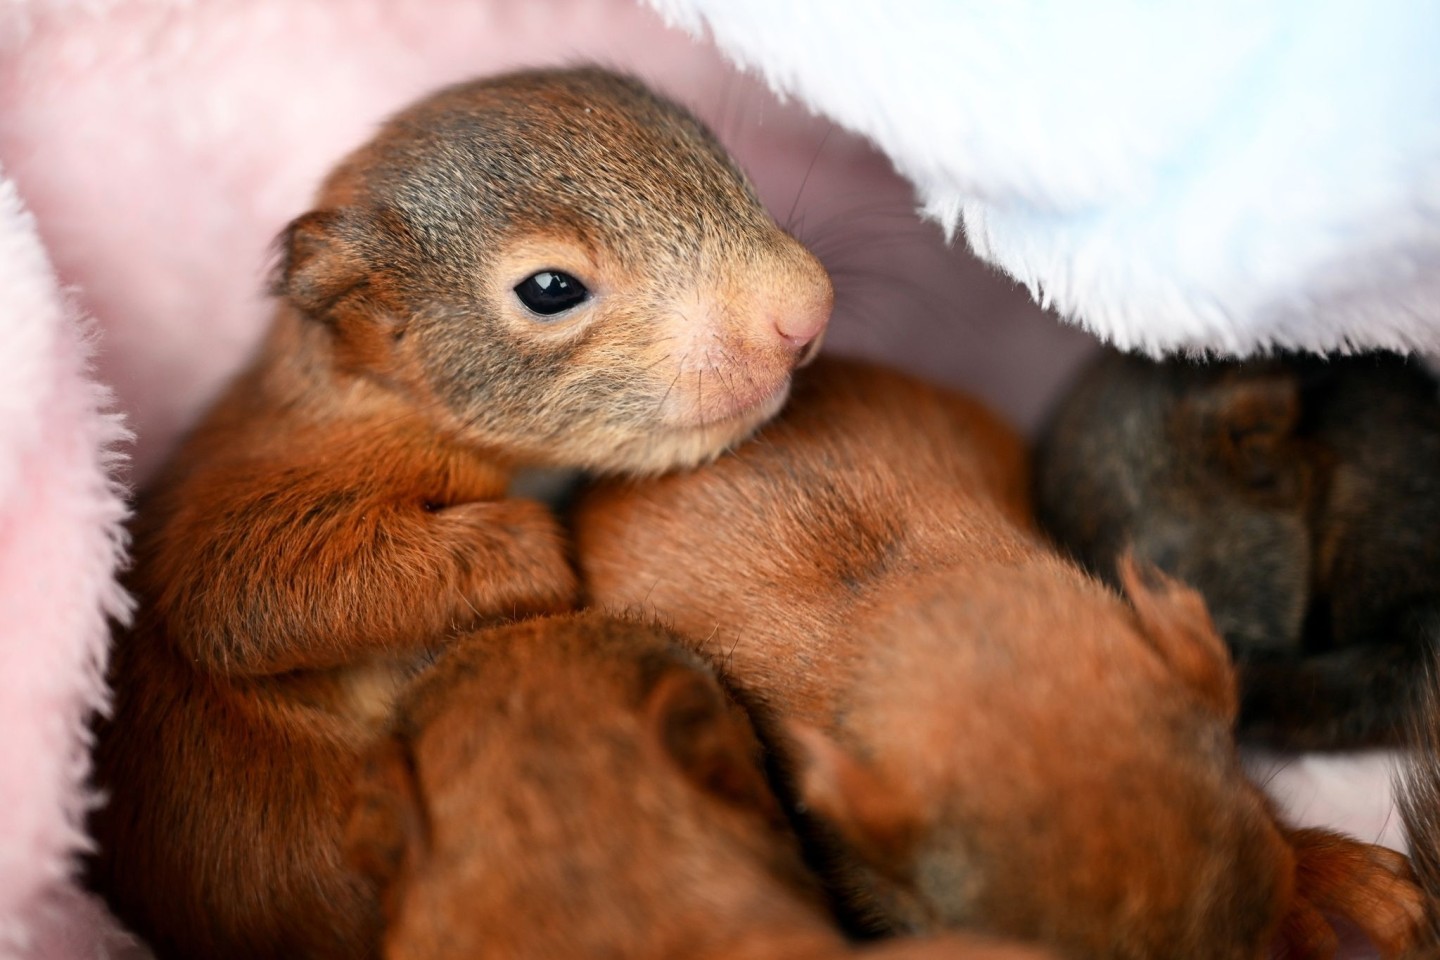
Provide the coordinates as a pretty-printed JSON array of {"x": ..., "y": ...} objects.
[{"x": 550, "y": 292}]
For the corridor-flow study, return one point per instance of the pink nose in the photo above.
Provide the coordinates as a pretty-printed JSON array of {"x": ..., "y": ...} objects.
[{"x": 800, "y": 327}]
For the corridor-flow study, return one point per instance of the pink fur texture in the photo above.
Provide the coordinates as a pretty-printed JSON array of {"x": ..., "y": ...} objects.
[
  {"x": 59, "y": 544},
  {"x": 158, "y": 147}
]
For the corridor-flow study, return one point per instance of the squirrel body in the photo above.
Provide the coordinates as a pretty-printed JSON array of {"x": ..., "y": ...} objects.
[
  {"x": 1299, "y": 495},
  {"x": 581, "y": 785},
  {"x": 982, "y": 736},
  {"x": 553, "y": 268}
]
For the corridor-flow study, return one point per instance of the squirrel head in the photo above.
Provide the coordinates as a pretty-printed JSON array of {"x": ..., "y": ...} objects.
[
  {"x": 1197, "y": 469},
  {"x": 634, "y": 815},
  {"x": 561, "y": 265}
]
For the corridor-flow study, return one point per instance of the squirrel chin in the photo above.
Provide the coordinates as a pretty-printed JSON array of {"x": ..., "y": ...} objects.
[
  {"x": 684, "y": 447},
  {"x": 748, "y": 410},
  {"x": 735, "y": 422}
]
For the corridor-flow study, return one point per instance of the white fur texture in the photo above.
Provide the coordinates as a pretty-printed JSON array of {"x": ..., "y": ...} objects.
[{"x": 1218, "y": 176}]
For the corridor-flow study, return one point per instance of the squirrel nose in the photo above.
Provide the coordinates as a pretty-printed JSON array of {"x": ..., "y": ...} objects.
[
  {"x": 801, "y": 327},
  {"x": 802, "y": 324},
  {"x": 794, "y": 296}
]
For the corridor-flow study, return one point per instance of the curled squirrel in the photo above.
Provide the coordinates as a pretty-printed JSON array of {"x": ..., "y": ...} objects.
[
  {"x": 580, "y": 786},
  {"x": 1300, "y": 495},
  {"x": 552, "y": 268},
  {"x": 981, "y": 735}
]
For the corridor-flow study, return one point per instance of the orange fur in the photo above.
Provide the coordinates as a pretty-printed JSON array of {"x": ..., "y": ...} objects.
[
  {"x": 580, "y": 786},
  {"x": 341, "y": 512},
  {"x": 991, "y": 739},
  {"x": 1369, "y": 885}
]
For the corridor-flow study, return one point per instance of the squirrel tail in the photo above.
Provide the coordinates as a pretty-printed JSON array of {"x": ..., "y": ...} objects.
[{"x": 1417, "y": 792}]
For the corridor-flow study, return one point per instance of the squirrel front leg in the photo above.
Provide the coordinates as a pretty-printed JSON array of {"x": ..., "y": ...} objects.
[{"x": 310, "y": 575}]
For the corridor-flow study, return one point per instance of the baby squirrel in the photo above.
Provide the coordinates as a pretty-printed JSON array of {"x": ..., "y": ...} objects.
[
  {"x": 550, "y": 268},
  {"x": 580, "y": 786},
  {"x": 983, "y": 736},
  {"x": 1299, "y": 495}
]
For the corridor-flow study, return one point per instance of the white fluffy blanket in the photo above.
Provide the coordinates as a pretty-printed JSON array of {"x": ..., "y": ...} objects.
[
  {"x": 149, "y": 150},
  {"x": 1223, "y": 175}
]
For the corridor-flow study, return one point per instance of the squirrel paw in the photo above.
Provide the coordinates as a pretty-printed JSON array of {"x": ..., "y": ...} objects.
[{"x": 1369, "y": 886}]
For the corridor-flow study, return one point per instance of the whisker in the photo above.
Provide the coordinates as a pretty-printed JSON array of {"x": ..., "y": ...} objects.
[
  {"x": 730, "y": 115},
  {"x": 700, "y": 404},
  {"x": 730, "y": 654},
  {"x": 734, "y": 366},
  {"x": 808, "y": 170},
  {"x": 679, "y": 368},
  {"x": 664, "y": 356}
]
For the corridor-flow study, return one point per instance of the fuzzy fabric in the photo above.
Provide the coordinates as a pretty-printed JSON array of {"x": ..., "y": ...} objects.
[
  {"x": 60, "y": 540},
  {"x": 1172, "y": 175},
  {"x": 149, "y": 152}
]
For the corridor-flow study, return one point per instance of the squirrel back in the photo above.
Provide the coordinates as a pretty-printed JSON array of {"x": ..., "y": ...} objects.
[
  {"x": 991, "y": 739},
  {"x": 582, "y": 786}
]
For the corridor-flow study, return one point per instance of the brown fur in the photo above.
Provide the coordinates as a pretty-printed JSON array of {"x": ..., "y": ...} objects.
[
  {"x": 1299, "y": 495},
  {"x": 581, "y": 787},
  {"x": 1418, "y": 800},
  {"x": 1000, "y": 742},
  {"x": 341, "y": 511}
]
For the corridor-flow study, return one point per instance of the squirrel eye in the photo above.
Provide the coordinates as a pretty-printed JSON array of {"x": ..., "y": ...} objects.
[{"x": 550, "y": 292}]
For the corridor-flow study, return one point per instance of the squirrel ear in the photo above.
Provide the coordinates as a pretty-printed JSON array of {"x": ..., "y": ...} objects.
[
  {"x": 1248, "y": 419},
  {"x": 1174, "y": 619},
  {"x": 316, "y": 264},
  {"x": 693, "y": 723},
  {"x": 388, "y": 824},
  {"x": 322, "y": 273},
  {"x": 880, "y": 819}
]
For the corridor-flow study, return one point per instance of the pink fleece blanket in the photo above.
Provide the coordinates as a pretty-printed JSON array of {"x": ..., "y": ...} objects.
[{"x": 150, "y": 150}]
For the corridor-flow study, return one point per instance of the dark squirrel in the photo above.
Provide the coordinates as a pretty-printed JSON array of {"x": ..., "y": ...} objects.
[{"x": 1299, "y": 495}]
